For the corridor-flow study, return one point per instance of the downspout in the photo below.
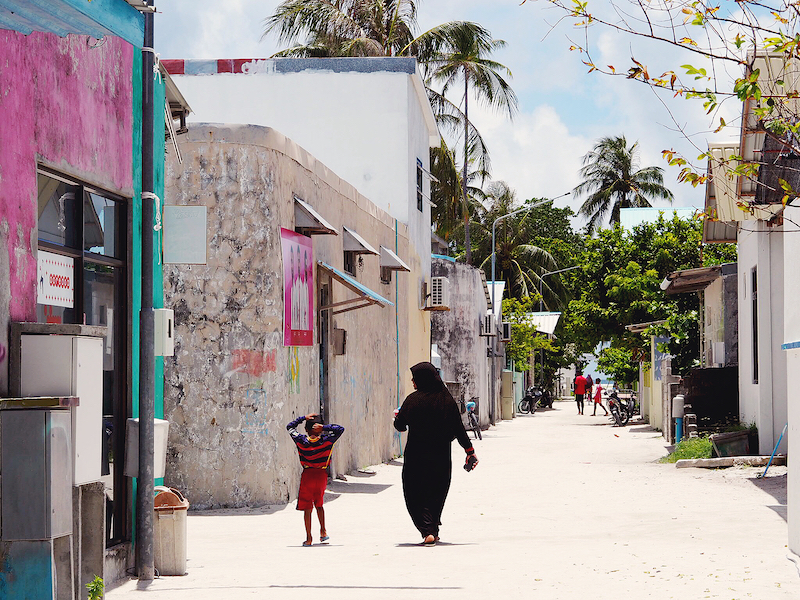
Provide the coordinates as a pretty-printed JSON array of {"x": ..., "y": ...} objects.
[
  {"x": 145, "y": 482},
  {"x": 397, "y": 335}
]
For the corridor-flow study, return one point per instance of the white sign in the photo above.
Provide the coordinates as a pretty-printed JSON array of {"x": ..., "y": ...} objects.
[
  {"x": 185, "y": 234},
  {"x": 55, "y": 279}
]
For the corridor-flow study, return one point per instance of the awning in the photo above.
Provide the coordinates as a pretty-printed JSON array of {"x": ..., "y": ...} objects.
[
  {"x": 640, "y": 327},
  {"x": 390, "y": 260},
  {"x": 690, "y": 280},
  {"x": 545, "y": 322},
  {"x": 497, "y": 288},
  {"x": 365, "y": 296},
  {"x": 309, "y": 222},
  {"x": 353, "y": 242},
  {"x": 62, "y": 17}
]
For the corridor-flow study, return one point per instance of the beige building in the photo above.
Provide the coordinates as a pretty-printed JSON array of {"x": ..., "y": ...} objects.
[{"x": 233, "y": 385}]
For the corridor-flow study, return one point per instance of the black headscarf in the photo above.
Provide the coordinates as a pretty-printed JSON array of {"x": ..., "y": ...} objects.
[{"x": 427, "y": 378}]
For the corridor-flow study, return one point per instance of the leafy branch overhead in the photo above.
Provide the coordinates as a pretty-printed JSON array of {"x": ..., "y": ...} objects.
[{"x": 745, "y": 50}]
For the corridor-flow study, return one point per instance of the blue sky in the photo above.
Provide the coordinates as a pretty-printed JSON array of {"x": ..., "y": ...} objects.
[{"x": 563, "y": 110}]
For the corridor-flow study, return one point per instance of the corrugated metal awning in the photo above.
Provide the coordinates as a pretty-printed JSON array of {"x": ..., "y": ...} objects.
[
  {"x": 352, "y": 242},
  {"x": 83, "y": 17},
  {"x": 545, "y": 322},
  {"x": 690, "y": 280},
  {"x": 365, "y": 296},
  {"x": 309, "y": 222},
  {"x": 390, "y": 260}
]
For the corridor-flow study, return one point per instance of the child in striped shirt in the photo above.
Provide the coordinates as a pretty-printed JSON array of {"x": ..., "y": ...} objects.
[{"x": 314, "y": 450}]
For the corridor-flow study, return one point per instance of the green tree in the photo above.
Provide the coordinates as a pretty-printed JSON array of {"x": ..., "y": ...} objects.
[
  {"x": 448, "y": 53},
  {"x": 619, "y": 364},
  {"x": 463, "y": 57},
  {"x": 517, "y": 262},
  {"x": 620, "y": 285},
  {"x": 525, "y": 340},
  {"x": 612, "y": 180}
]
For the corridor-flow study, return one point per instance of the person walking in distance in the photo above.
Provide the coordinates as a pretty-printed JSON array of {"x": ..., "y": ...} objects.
[
  {"x": 433, "y": 421},
  {"x": 598, "y": 398},
  {"x": 579, "y": 385},
  {"x": 589, "y": 386}
]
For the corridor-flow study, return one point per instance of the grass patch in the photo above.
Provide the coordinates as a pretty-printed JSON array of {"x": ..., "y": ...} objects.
[{"x": 699, "y": 447}]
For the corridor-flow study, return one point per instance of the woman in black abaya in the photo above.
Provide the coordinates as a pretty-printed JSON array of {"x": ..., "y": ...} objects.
[{"x": 433, "y": 421}]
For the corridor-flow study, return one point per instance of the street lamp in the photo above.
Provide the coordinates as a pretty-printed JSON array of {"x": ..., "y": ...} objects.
[{"x": 494, "y": 259}]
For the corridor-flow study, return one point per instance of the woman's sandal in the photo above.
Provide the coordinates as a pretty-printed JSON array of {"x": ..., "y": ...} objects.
[
  {"x": 306, "y": 543},
  {"x": 429, "y": 540}
]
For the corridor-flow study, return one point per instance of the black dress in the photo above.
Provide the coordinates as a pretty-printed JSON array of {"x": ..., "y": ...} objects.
[{"x": 433, "y": 421}]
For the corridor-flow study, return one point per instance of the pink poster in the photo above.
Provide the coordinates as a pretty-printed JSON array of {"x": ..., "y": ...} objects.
[{"x": 298, "y": 289}]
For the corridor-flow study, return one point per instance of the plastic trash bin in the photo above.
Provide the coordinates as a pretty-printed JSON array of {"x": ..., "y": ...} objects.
[{"x": 169, "y": 531}]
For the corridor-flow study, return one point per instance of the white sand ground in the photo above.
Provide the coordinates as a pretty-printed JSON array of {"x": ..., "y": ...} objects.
[{"x": 561, "y": 506}]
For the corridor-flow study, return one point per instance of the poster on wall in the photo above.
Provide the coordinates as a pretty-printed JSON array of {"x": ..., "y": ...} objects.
[{"x": 298, "y": 289}]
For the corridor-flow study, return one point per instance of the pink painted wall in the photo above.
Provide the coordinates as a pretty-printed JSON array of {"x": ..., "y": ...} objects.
[{"x": 68, "y": 106}]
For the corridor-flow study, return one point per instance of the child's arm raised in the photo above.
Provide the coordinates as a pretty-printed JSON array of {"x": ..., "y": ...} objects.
[{"x": 333, "y": 430}]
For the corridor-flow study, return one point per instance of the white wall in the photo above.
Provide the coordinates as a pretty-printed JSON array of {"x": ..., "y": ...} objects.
[
  {"x": 368, "y": 127},
  {"x": 763, "y": 402},
  {"x": 791, "y": 327}
]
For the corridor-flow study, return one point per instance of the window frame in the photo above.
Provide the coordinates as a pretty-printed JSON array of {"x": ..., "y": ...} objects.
[{"x": 122, "y": 326}]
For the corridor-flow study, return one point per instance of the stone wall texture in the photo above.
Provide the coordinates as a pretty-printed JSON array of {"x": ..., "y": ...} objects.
[
  {"x": 232, "y": 386},
  {"x": 457, "y": 335}
]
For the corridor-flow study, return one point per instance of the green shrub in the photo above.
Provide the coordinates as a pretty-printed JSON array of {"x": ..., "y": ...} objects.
[{"x": 699, "y": 447}]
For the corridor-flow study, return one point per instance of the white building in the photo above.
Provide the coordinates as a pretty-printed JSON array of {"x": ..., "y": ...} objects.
[{"x": 367, "y": 119}]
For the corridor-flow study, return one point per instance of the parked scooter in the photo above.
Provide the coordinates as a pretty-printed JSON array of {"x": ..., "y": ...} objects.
[
  {"x": 530, "y": 401},
  {"x": 621, "y": 410}
]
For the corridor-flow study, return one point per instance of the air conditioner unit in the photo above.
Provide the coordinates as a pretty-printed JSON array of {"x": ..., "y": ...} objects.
[
  {"x": 489, "y": 325},
  {"x": 505, "y": 334},
  {"x": 440, "y": 292}
]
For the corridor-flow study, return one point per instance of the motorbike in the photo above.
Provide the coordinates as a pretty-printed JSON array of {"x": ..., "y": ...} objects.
[
  {"x": 535, "y": 398},
  {"x": 621, "y": 410}
]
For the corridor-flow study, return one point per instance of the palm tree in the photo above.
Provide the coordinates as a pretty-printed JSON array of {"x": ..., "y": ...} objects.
[
  {"x": 518, "y": 263},
  {"x": 613, "y": 181},
  {"x": 462, "y": 56},
  {"x": 447, "y": 52}
]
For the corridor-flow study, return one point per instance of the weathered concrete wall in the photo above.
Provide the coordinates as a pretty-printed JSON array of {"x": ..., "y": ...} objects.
[
  {"x": 68, "y": 106},
  {"x": 232, "y": 386},
  {"x": 457, "y": 333}
]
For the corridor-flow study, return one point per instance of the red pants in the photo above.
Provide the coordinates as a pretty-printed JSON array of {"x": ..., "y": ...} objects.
[{"x": 312, "y": 488}]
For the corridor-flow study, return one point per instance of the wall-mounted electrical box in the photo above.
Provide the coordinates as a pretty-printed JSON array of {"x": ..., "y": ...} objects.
[
  {"x": 505, "y": 334},
  {"x": 339, "y": 340},
  {"x": 66, "y": 365},
  {"x": 164, "y": 331},
  {"x": 160, "y": 436},
  {"x": 36, "y": 455}
]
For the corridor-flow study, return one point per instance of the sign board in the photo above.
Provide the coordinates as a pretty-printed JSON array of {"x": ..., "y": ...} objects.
[
  {"x": 55, "y": 279},
  {"x": 298, "y": 289},
  {"x": 185, "y": 235}
]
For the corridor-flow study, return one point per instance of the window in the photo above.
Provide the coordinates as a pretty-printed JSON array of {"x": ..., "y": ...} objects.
[
  {"x": 419, "y": 185},
  {"x": 86, "y": 229},
  {"x": 350, "y": 260},
  {"x": 754, "y": 301}
]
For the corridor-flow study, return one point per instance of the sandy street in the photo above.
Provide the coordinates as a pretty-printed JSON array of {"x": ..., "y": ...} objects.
[{"x": 561, "y": 506}]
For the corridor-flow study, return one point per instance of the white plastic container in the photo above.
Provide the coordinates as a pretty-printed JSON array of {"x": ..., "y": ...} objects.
[{"x": 169, "y": 531}]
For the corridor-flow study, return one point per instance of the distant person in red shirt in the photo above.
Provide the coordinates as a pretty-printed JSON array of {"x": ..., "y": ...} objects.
[
  {"x": 580, "y": 389},
  {"x": 598, "y": 398}
]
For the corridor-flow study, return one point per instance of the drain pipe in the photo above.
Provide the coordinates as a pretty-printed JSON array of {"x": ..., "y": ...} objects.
[{"x": 145, "y": 482}]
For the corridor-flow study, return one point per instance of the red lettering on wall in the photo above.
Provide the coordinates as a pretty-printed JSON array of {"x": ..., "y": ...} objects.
[{"x": 254, "y": 363}]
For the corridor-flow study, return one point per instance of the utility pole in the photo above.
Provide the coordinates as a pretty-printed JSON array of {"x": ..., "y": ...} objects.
[{"x": 145, "y": 482}]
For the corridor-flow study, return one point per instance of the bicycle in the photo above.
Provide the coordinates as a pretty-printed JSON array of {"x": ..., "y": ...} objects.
[{"x": 472, "y": 420}]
